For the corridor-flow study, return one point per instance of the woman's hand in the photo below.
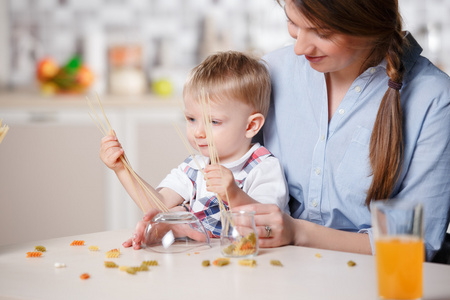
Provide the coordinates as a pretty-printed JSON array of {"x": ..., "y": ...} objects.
[
  {"x": 111, "y": 151},
  {"x": 220, "y": 180},
  {"x": 274, "y": 227}
]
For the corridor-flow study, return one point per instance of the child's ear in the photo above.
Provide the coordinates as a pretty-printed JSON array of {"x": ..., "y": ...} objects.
[{"x": 255, "y": 123}]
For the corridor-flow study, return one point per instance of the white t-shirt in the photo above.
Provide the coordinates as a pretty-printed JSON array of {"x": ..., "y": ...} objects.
[{"x": 265, "y": 182}]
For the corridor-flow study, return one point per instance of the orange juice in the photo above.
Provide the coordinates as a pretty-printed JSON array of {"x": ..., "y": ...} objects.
[{"x": 399, "y": 266}]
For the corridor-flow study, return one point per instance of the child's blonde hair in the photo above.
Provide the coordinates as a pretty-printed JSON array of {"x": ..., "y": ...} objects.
[{"x": 231, "y": 75}]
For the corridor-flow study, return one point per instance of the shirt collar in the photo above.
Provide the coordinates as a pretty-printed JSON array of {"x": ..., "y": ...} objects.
[{"x": 411, "y": 52}]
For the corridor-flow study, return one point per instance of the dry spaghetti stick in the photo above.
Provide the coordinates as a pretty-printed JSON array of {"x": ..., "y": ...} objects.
[{"x": 125, "y": 161}]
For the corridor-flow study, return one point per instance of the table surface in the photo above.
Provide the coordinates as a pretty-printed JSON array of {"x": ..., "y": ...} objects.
[{"x": 182, "y": 276}]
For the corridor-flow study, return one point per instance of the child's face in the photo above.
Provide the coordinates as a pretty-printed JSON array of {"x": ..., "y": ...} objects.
[{"x": 230, "y": 120}]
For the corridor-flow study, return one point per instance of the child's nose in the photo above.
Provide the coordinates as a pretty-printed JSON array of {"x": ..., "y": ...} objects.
[{"x": 199, "y": 132}]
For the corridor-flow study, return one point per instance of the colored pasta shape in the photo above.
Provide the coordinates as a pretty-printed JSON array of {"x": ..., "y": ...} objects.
[
  {"x": 84, "y": 276},
  {"x": 111, "y": 264},
  {"x": 40, "y": 248},
  {"x": 245, "y": 246},
  {"x": 93, "y": 248},
  {"x": 123, "y": 268},
  {"x": 150, "y": 263},
  {"x": 34, "y": 254},
  {"x": 113, "y": 253},
  {"x": 142, "y": 268},
  {"x": 276, "y": 262},
  {"x": 247, "y": 262},
  {"x": 221, "y": 261},
  {"x": 77, "y": 243}
]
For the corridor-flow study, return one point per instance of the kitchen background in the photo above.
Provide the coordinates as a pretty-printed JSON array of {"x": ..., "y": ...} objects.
[{"x": 139, "y": 51}]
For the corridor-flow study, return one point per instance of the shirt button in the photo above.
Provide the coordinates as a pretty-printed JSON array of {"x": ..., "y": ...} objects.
[
  {"x": 314, "y": 203},
  {"x": 341, "y": 111},
  {"x": 372, "y": 70},
  {"x": 322, "y": 137},
  {"x": 318, "y": 171},
  {"x": 357, "y": 89}
]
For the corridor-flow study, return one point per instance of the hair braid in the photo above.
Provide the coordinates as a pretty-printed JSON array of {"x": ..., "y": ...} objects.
[{"x": 386, "y": 143}]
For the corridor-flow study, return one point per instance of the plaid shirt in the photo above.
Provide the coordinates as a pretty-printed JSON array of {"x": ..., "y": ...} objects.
[{"x": 207, "y": 209}]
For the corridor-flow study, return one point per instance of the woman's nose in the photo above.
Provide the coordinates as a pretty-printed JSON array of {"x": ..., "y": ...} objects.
[{"x": 302, "y": 44}]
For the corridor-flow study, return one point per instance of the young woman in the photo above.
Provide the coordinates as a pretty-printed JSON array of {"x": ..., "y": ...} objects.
[{"x": 357, "y": 115}]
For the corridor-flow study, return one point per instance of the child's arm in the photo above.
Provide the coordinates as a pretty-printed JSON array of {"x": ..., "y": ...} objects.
[
  {"x": 220, "y": 180},
  {"x": 110, "y": 153}
]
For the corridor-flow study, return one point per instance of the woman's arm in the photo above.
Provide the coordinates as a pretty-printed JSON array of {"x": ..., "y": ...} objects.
[{"x": 286, "y": 230}]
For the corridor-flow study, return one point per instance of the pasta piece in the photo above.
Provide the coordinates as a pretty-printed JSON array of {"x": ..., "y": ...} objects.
[
  {"x": 59, "y": 265},
  {"x": 131, "y": 270},
  {"x": 150, "y": 263},
  {"x": 351, "y": 263},
  {"x": 318, "y": 255},
  {"x": 247, "y": 262},
  {"x": 40, "y": 248},
  {"x": 206, "y": 263},
  {"x": 221, "y": 261},
  {"x": 123, "y": 268},
  {"x": 77, "y": 243},
  {"x": 276, "y": 262},
  {"x": 111, "y": 264},
  {"x": 113, "y": 253},
  {"x": 93, "y": 248},
  {"x": 142, "y": 268},
  {"x": 34, "y": 254},
  {"x": 85, "y": 276}
]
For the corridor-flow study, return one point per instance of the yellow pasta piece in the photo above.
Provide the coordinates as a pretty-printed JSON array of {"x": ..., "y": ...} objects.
[
  {"x": 150, "y": 263},
  {"x": 93, "y": 248},
  {"x": 123, "y": 268},
  {"x": 247, "y": 262},
  {"x": 111, "y": 264},
  {"x": 276, "y": 262}
]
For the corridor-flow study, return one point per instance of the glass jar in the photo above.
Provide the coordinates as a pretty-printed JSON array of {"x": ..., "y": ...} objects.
[
  {"x": 174, "y": 232},
  {"x": 239, "y": 237}
]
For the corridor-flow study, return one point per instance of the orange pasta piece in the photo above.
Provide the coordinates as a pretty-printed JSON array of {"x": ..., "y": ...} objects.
[
  {"x": 84, "y": 276},
  {"x": 77, "y": 243},
  {"x": 34, "y": 254}
]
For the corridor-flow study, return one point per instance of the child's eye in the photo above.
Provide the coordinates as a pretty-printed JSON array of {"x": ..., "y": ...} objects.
[
  {"x": 190, "y": 120},
  {"x": 215, "y": 122}
]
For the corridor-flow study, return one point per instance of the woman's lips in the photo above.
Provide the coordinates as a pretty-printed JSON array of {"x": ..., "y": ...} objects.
[{"x": 314, "y": 59}]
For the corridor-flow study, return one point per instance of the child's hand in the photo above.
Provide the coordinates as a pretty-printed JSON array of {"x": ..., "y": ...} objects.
[
  {"x": 220, "y": 180},
  {"x": 111, "y": 151}
]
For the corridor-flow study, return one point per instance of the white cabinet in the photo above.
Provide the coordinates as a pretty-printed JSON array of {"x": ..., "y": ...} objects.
[{"x": 52, "y": 181}]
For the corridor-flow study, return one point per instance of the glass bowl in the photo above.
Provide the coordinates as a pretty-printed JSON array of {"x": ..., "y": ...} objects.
[
  {"x": 174, "y": 232},
  {"x": 239, "y": 237}
]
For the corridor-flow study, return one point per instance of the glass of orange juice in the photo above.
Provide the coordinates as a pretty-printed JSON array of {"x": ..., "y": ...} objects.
[{"x": 399, "y": 249}]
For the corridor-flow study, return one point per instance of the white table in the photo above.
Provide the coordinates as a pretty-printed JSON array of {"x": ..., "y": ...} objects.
[{"x": 182, "y": 276}]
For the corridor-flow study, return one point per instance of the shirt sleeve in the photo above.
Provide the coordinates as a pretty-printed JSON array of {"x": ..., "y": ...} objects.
[
  {"x": 178, "y": 181},
  {"x": 266, "y": 184},
  {"x": 426, "y": 170}
]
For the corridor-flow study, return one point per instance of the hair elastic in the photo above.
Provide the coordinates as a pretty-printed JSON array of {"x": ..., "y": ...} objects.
[{"x": 394, "y": 85}]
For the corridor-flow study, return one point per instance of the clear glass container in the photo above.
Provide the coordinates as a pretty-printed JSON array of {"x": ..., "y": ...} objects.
[
  {"x": 173, "y": 232},
  {"x": 239, "y": 237}
]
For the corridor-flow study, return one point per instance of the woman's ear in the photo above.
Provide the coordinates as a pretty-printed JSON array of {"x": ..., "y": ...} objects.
[{"x": 254, "y": 125}]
